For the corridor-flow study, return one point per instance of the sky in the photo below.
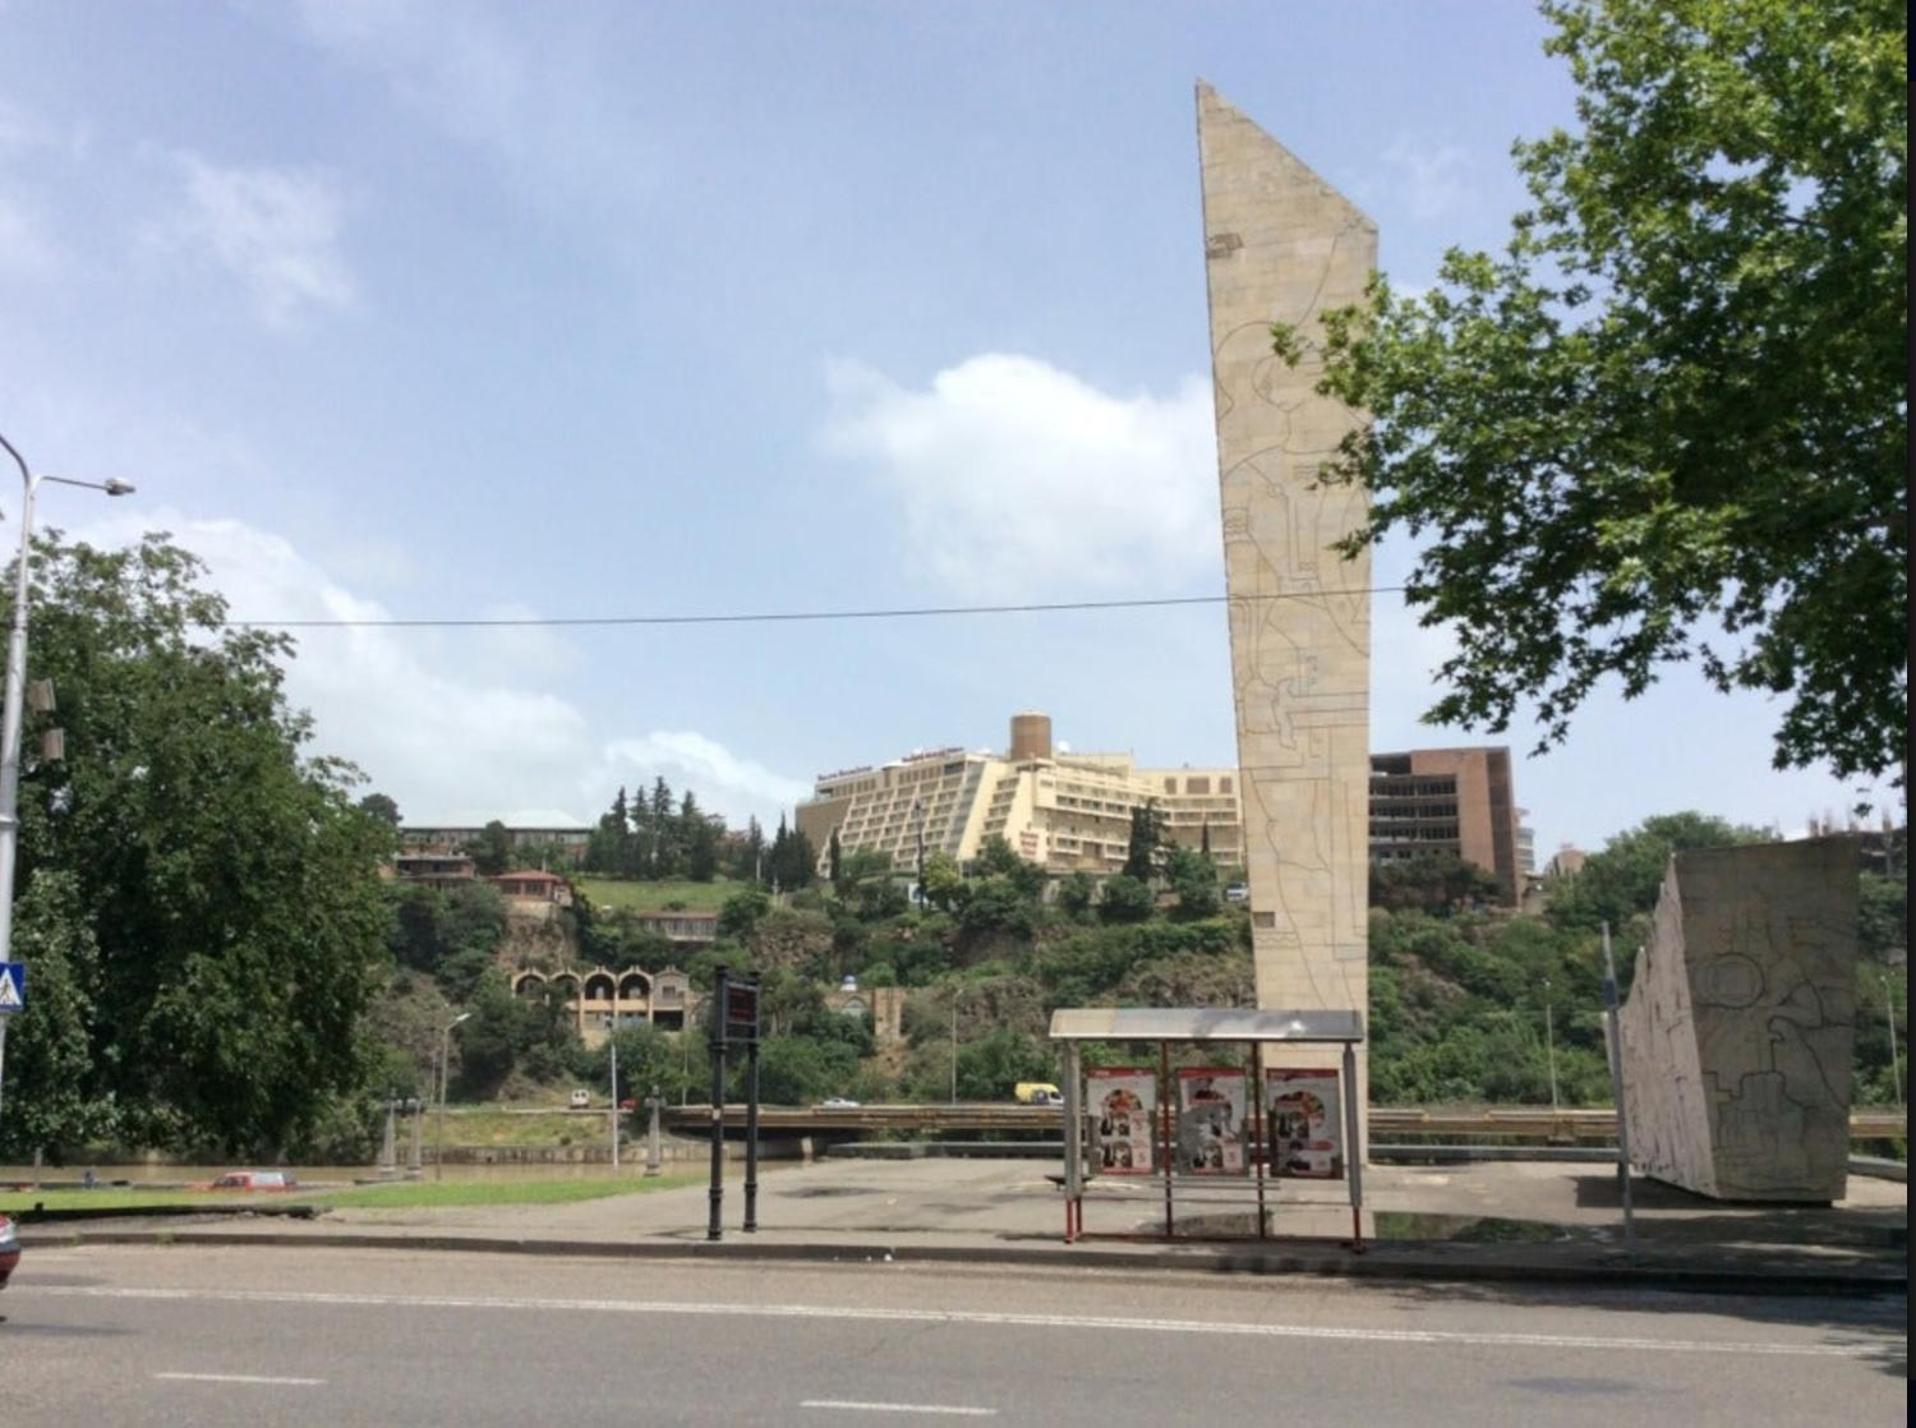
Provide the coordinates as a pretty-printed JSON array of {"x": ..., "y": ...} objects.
[{"x": 398, "y": 309}]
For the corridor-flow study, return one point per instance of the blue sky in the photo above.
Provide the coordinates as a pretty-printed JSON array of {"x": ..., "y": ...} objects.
[{"x": 447, "y": 310}]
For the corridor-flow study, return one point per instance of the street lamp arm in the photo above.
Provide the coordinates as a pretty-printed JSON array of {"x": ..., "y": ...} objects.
[{"x": 26, "y": 474}]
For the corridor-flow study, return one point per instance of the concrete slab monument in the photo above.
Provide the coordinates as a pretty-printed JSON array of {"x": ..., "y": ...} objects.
[
  {"x": 1739, "y": 1030},
  {"x": 1283, "y": 246}
]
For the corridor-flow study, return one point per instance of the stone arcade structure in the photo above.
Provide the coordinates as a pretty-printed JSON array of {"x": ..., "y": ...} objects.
[
  {"x": 1283, "y": 246},
  {"x": 1738, "y": 1033}
]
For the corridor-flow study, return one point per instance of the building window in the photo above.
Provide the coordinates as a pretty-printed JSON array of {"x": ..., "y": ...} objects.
[{"x": 1170, "y": 785}]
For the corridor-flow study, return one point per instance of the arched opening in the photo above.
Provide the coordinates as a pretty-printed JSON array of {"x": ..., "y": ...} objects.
[
  {"x": 529, "y": 986},
  {"x": 634, "y": 987},
  {"x": 568, "y": 983},
  {"x": 599, "y": 987}
]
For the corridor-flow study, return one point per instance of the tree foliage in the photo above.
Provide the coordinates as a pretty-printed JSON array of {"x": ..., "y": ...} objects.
[
  {"x": 1667, "y": 423},
  {"x": 206, "y": 895}
]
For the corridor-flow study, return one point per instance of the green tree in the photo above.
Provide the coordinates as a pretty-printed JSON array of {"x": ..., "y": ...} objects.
[
  {"x": 1624, "y": 879},
  {"x": 382, "y": 807},
  {"x": 1668, "y": 422},
  {"x": 1076, "y": 892},
  {"x": 1147, "y": 836},
  {"x": 740, "y": 913},
  {"x": 944, "y": 885},
  {"x": 1193, "y": 877},
  {"x": 1124, "y": 898},
  {"x": 491, "y": 852},
  {"x": 648, "y": 1058},
  {"x": 214, "y": 909},
  {"x": 1434, "y": 882}
]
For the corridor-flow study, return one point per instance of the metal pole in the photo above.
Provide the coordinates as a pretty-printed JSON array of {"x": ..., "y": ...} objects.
[
  {"x": 954, "y": 1046},
  {"x": 654, "y": 1146},
  {"x": 1259, "y": 1152},
  {"x": 751, "y": 1136},
  {"x": 413, "y": 1163},
  {"x": 10, "y": 722},
  {"x": 1616, "y": 1088},
  {"x": 1889, "y": 1017},
  {"x": 1164, "y": 1132},
  {"x": 1353, "y": 1162},
  {"x": 3, "y": 1056},
  {"x": 1073, "y": 1140},
  {"x": 1550, "y": 1043},
  {"x": 615, "y": 1096},
  {"x": 714, "y": 1225},
  {"x": 439, "y": 1121}
]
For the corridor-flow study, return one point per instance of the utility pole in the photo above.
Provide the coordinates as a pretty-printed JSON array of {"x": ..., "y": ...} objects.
[
  {"x": 1889, "y": 1016},
  {"x": 614, "y": 1042},
  {"x": 12, "y": 716},
  {"x": 954, "y": 1046},
  {"x": 1550, "y": 1045}
]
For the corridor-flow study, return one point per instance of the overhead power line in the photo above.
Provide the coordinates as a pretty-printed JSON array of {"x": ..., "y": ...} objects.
[{"x": 769, "y": 617}]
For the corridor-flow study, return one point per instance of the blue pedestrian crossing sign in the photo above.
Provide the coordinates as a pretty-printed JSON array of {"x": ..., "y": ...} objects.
[{"x": 13, "y": 987}]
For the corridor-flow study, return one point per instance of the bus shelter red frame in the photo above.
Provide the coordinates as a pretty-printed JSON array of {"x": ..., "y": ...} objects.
[{"x": 1203, "y": 1027}]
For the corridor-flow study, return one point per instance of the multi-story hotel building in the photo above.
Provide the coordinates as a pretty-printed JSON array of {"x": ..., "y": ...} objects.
[
  {"x": 1071, "y": 812},
  {"x": 1067, "y": 812}
]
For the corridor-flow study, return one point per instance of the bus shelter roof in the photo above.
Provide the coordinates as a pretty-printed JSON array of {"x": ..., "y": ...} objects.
[{"x": 1204, "y": 1024}]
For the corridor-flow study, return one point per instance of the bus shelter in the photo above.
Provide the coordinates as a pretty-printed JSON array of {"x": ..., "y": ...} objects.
[{"x": 1210, "y": 1134}]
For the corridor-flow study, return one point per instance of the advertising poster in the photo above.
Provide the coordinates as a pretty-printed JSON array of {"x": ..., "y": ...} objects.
[
  {"x": 1307, "y": 1124},
  {"x": 1121, "y": 1101},
  {"x": 1212, "y": 1106}
]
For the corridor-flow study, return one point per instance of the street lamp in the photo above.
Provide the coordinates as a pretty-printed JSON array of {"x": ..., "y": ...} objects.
[
  {"x": 1889, "y": 1016},
  {"x": 16, "y": 685},
  {"x": 439, "y": 1124}
]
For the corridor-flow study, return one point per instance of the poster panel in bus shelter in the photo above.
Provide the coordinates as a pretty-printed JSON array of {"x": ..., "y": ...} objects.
[
  {"x": 1306, "y": 1115},
  {"x": 1122, "y": 1103},
  {"x": 1213, "y": 1102}
]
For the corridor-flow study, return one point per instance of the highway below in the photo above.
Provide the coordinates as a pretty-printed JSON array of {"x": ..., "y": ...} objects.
[{"x": 251, "y": 1336}]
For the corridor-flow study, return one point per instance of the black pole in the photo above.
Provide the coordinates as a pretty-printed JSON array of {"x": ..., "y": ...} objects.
[
  {"x": 714, "y": 1226},
  {"x": 751, "y": 1136}
]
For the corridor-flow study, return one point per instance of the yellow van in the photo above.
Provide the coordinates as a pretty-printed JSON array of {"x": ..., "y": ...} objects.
[{"x": 1038, "y": 1093}]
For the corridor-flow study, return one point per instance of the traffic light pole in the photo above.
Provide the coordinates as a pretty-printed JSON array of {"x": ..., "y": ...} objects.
[
  {"x": 751, "y": 1137},
  {"x": 714, "y": 1225}
]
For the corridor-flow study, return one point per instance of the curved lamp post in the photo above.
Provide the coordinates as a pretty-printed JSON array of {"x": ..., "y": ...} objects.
[
  {"x": 439, "y": 1122},
  {"x": 16, "y": 683}
]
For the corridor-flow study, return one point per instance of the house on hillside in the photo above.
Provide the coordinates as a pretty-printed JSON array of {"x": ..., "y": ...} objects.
[{"x": 534, "y": 886}]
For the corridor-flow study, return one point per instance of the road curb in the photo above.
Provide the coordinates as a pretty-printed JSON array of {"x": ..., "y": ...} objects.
[{"x": 1768, "y": 1280}]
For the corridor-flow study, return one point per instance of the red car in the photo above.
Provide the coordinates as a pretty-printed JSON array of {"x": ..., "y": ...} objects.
[{"x": 9, "y": 1250}]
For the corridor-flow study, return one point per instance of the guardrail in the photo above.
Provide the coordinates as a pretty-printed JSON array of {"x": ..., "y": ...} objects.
[{"x": 1513, "y": 1122}]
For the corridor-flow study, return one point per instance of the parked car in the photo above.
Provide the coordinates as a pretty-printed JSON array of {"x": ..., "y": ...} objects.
[
  {"x": 255, "y": 1180},
  {"x": 630, "y": 1103},
  {"x": 1237, "y": 892},
  {"x": 9, "y": 1250},
  {"x": 838, "y": 1103},
  {"x": 581, "y": 1100},
  {"x": 1038, "y": 1093}
]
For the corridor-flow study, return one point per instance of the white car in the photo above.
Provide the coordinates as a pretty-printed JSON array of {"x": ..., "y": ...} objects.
[
  {"x": 581, "y": 1100},
  {"x": 838, "y": 1103}
]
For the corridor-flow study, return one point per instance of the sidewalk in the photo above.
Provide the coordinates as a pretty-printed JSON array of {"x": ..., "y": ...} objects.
[{"x": 1534, "y": 1222}]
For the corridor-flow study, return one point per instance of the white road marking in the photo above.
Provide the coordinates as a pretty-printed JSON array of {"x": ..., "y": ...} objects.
[
  {"x": 241, "y": 1378},
  {"x": 950, "y": 1409},
  {"x": 1598, "y": 1343}
]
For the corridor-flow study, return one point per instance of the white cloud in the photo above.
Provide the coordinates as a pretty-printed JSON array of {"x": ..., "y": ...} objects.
[
  {"x": 276, "y": 229},
  {"x": 448, "y": 743},
  {"x": 1015, "y": 478},
  {"x": 1434, "y": 181}
]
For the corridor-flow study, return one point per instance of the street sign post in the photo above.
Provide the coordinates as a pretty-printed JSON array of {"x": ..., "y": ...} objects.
[
  {"x": 734, "y": 1022},
  {"x": 13, "y": 998}
]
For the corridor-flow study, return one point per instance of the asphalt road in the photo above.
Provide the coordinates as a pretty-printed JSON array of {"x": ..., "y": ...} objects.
[{"x": 252, "y": 1336}]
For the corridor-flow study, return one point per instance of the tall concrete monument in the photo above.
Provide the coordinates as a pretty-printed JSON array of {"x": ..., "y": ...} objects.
[
  {"x": 1738, "y": 1034},
  {"x": 1283, "y": 246}
]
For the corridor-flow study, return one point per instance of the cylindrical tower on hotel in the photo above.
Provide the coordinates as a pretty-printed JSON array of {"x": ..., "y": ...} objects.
[{"x": 1030, "y": 737}]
